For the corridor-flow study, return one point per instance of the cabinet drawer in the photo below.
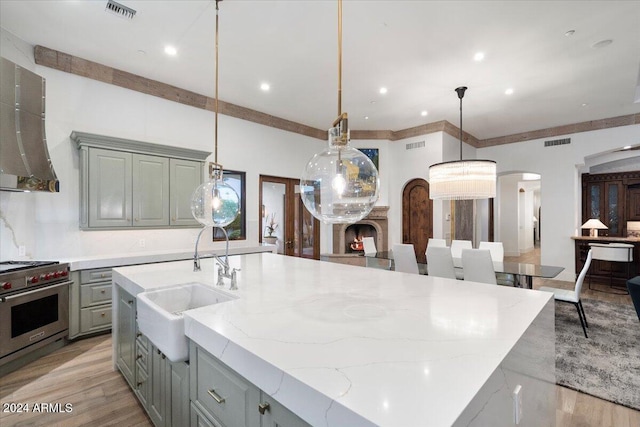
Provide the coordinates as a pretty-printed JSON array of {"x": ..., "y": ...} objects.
[
  {"x": 95, "y": 318},
  {"x": 99, "y": 293},
  {"x": 211, "y": 380},
  {"x": 97, "y": 275},
  {"x": 142, "y": 356},
  {"x": 142, "y": 384},
  {"x": 141, "y": 340}
]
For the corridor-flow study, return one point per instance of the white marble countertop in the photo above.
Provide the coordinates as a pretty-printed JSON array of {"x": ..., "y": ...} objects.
[
  {"x": 346, "y": 345},
  {"x": 105, "y": 261}
]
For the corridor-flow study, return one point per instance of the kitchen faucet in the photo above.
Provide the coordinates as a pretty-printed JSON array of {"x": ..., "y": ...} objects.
[{"x": 223, "y": 264}]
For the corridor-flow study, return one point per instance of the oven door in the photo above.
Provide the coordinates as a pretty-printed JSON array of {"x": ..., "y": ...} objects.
[{"x": 29, "y": 317}]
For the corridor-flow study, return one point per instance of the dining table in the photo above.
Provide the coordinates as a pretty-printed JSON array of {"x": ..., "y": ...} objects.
[{"x": 524, "y": 272}]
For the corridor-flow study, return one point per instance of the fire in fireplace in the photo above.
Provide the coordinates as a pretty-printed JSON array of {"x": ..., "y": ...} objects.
[{"x": 354, "y": 234}]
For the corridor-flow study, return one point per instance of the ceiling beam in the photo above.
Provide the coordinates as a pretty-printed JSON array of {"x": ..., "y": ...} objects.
[{"x": 93, "y": 70}]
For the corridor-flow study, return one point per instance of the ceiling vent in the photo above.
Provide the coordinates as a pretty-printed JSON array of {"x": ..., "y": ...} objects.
[
  {"x": 554, "y": 142},
  {"x": 413, "y": 145},
  {"x": 120, "y": 10}
]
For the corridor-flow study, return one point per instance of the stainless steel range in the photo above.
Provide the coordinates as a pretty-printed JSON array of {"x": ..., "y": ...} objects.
[{"x": 34, "y": 306}]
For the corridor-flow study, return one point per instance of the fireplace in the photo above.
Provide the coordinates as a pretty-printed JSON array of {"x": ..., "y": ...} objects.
[{"x": 376, "y": 225}]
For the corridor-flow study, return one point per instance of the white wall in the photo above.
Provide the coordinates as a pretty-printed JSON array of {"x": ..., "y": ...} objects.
[
  {"x": 560, "y": 195},
  {"x": 508, "y": 214},
  {"x": 47, "y": 224}
]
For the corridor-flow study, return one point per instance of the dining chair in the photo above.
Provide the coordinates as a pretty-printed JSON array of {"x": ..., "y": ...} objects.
[
  {"x": 458, "y": 245},
  {"x": 404, "y": 257},
  {"x": 437, "y": 242},
  {"x": 369, "y": 245},
  {"x": 573, "y": 295},
  {"x": 612, "y": 252},
  {"x": 440, "y": 262},
  {"x": 477, "y": 266},
  {"x": 497, "y": 255}
]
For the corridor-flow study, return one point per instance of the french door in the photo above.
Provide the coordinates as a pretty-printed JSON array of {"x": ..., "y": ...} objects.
[{"x": 285, "y": 222}]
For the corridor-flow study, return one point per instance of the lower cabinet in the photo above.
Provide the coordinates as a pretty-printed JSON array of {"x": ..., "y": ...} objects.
[{"x": 221, "y": 397}]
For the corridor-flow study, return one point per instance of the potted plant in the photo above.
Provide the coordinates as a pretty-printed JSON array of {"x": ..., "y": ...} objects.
[{"x": 271, "y": 228}]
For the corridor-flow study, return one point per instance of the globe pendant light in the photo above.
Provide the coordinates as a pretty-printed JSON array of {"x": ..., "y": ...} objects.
[
  {"x": 339, "y": 184},
  {"x": 462, "y": 179},
  {"x": 215, "y": 203}
]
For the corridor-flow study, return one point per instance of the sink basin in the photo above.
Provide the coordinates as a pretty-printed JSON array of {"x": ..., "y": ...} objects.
[{"x": 160, "y": 315}]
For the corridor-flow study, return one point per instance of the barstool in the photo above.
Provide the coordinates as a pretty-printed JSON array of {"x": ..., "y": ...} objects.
[{"x": 612, "y": 252}]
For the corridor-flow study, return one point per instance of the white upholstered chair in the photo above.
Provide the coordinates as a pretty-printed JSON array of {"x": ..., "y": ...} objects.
[
  {"x": 612, "y": 252},
  {"x": 458, "y": 245},
  {"x": 440, "y": 262},
  {"x": 497, "y": 255},
  {"x": 477, "y": 266},
  {"x": 573, "y": 295},
  {"x": 437, "y": 242},
  {"x": 369, "y": 245},
  {"x": 404, "y": 257}
]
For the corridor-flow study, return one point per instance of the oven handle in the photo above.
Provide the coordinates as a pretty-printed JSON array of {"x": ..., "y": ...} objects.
[{"x": 57, "y": 285}]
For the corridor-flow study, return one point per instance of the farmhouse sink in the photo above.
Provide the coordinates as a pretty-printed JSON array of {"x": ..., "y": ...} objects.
[{"x": 160, "y": 315}]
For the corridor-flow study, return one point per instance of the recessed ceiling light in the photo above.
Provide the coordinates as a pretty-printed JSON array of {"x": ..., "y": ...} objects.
[
  {"x": 373, "y": 102},
  {"x": 584, "y": 104},
  {"x": 383, "y": 90},
  {"x": 570, "y": 33},
  {"x": 424, "y": 113},
  {"x": 170, "y": 50},
  {"x": 265, "y": 87},
  {"x": 508, "y": 91},
  {"x": 602, "y": 43},
  {"x": 366, "y": 117},
  {"x": 478, "y": 56},
  {"x": 626, "y": 147}
]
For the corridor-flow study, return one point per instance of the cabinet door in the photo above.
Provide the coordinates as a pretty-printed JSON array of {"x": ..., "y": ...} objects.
[
  {"x": 273, "y": 414},
  {"x": 633, "y": 209},
  {"x": 109, "y": 188},
  {"x": 150, "y": 191},
  {"x": 126, "y": 345},
  {"x": 605, "y": 201},
  {"x": 159, "y": 398},
  {"x": 185, "y": 177},
  {"x": 179, "y": 411}
]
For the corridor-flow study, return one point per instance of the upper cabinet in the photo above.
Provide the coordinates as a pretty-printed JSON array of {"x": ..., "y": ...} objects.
[
  {"x": 133, "y": 184},
  {"x": 613, "y": 198}
]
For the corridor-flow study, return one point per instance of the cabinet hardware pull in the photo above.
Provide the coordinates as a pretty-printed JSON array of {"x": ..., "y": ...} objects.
[
  {"x": 139, "y": 334},
  {"x": 103, "y": 291},
  {"x": 140, "y": 383},
  {"x": 102, "y": 314},
  {"x": 263, "y": 407},
  {"x": 130, "y": 302},
  {"x": 215, "y": 396},
  {"x": 103, "y": 275}
]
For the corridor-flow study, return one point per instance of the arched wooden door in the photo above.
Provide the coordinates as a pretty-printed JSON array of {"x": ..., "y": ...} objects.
[{"x": 417, "y": 216}]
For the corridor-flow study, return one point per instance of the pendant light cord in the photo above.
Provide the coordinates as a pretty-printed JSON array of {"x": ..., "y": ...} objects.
[
  {"x": 339, "y": 58},
  {"x": 460, "y": 91},
  {"x": 215, "y": 156}
]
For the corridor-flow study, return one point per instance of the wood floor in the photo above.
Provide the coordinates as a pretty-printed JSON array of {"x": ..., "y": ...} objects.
[{"x": 81, "y": 375}]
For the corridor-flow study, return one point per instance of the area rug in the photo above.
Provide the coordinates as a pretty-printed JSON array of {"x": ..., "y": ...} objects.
[{"x": 607, "y": 364}]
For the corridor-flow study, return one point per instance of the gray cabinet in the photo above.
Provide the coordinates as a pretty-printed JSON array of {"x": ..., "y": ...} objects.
[
  {"x": 90, "y": 302},
  {"x": 134, "y": 184},
  {"x": 185, "y": 176},
  {"x": 126, "y": 344},
  {"x": 221, "y": 397},
  {"x": 159, "y": 399}
]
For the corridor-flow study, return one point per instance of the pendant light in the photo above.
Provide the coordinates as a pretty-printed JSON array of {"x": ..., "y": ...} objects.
[
  {"x": 340, "y": 184},
  {"x": 462, "y": 179},
  {"x": 215, "y": 203}
]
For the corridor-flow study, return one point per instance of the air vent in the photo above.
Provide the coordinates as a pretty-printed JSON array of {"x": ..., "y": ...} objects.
[
  {"x": 555, "y": 142},
  {"x": 413, "y": 145},
  {"x": 120, "y": 10}
]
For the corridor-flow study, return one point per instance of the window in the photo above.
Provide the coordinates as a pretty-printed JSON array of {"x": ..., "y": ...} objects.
[{"x": 237, "y": 230}]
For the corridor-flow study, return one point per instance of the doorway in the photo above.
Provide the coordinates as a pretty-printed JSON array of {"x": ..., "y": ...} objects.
[
  {"x": 417, "y": 217},
  {"x": 285, "y": 222}
]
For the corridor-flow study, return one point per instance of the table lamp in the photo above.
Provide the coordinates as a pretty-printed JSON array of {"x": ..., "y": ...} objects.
[{"x": 594, "y": 225}]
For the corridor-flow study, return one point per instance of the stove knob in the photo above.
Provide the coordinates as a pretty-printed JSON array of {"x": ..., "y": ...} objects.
[
  {"x": 33, "y": 279},
  {"x": 64, "y": 273},
  {"x": 6, "y": 285},
  {"x": 56, "y": 274},
  {"x": 48, "y": 276}
]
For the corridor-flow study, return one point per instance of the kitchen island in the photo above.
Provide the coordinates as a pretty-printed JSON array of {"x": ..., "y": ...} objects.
[{"x": 341, "y": 345}]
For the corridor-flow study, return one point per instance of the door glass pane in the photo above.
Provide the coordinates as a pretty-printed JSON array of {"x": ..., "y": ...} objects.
[
  {"x": 594, "y": 209},
  {"x": 303, "y": 238},
  {"x": 612, "y": 206},
  {"x": 273, "y": 211}
]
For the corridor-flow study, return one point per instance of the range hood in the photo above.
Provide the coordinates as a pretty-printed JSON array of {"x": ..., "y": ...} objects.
[{"x": 24, "y": 158}]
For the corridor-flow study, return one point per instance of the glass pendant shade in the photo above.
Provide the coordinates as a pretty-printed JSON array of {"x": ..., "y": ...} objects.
[
  {"x": 340, "y": 184},
  {"x": 215, "y": 203},
  {"x": 462, "y": 180}
]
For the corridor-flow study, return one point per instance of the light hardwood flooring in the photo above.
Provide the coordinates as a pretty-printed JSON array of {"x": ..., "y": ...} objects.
[{"x": 81, "y": 374}]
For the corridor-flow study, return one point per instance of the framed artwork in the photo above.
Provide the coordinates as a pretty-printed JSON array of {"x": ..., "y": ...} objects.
[
  {"x": 237, "y": 230},
  {"x": 372, "y": 154}
]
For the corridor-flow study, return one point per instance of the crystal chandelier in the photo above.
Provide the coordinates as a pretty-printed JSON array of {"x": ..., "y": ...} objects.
[
  {"x": 340, "y": 184},
  {"x": 215, "y": 203},
  {"x": 462, "y": 179}
]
